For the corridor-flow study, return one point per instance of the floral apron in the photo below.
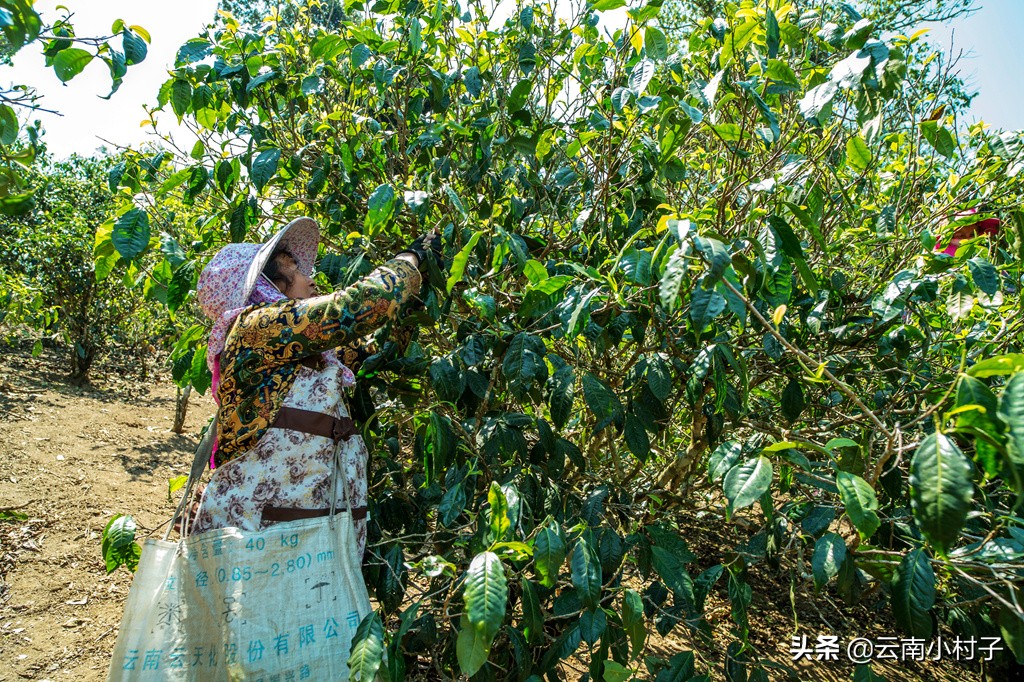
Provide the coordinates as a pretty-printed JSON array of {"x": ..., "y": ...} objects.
[{"x": 288, "y": 468}]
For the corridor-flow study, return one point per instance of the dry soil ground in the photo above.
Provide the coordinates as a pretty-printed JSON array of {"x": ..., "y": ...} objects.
[{"x": 71, "y": 458}]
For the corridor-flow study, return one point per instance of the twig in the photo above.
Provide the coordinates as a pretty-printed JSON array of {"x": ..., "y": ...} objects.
[
  {"x": 20, "y": 506},
  {"x": 889, "y": 452},
  {"x": 845, "y": 389},
  {"x": 104, "y": 634}
]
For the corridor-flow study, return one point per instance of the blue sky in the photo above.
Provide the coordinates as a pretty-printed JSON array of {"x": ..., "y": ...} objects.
[{"x": 990, "y": 39}]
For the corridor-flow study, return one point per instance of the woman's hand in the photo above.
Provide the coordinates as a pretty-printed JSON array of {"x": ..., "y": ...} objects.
[{"x": 427, "y": 245}]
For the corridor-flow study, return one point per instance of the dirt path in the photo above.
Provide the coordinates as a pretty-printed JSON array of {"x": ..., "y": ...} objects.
[{"x": 70, "y": 459}]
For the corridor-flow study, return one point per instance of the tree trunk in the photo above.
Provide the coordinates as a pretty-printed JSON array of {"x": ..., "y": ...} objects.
[
  {"x": 181, "y": 408},
  {"x": 81, "y": 360},
  {"x": 680, "y": 470},
  {"x": 141, "y": 353}
]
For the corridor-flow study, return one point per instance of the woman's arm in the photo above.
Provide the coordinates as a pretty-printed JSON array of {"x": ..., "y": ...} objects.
[
  {"x": 267, "y": 341},
  {"x": 354, "y": 354},
  {"x": 295, "y": 329}
]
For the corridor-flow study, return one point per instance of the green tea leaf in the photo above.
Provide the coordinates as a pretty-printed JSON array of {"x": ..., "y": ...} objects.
[
  {"x": 586, "y": 573},
  {"x": 858, "y": 155},
  {"x": 548, "y": 554},
  {"x": 636, "y": 437},
  {"x": 998, "y": 366},
  {"x": 746, "y": 482},
  {"x": 793, "y": 402},
  {"x": 131, "y": 233},
  {"x": 672, "y": 572},
  {"x": 913, "y": 594},
  {"x": 135, "y": 48},
  {"x": 520, "y": 94},
  {"x": 498, "y": 503},
  {"x": 442, "y": 441},
  {"x": 486, "y": 594},
  {"x": 817, "y": 98},
  {"x": 633, "y": 620},
  {"x": 524, "y": 362},
  {"x": 971, "y": 391},
  {"x": 1011, "y": 627},
  {"x": 640, "y": 76},
  {"x": 829, "y": 554},
  {"x": 533, "y": 617},
  {"x": 69, "y": 62},
  {"x": 860, "y": 501},
  {"x": 616, "y": 672},
  {"x": 459, "y": 262},
  {"x": 705, "y": 306},
  {"x": 659, "y": 377},
  {"x": 175, "y": 484},
  {"x": 367, "y": 649},
  {"x": 672, "y": 280},
  {"x": 723, "y": 459},
  {"x": 984, "y": 275},
  {"x": 264, "y": 166},
  {"x": 602, "y": 401},
  {"x": 563, "y": 392},
  {"x": 447, "y": 379},
  {"x": 782, "y": 72},
  {"x": 9, "y": 125},
  {"x": 1011, "y": 410},
  {"x": 939, "y": 138},
  {"x": 380, "y": 208},
  {"x": 118, "y": 544},
  {"x": 655, "y": 43},
  {"x": 941, "y": 490},
  {"x": 772, "y": 34},
  {"x": 592, "y": 625},
  {"x": 472, "y": 647},
  {"x": 959, "y": 305}
]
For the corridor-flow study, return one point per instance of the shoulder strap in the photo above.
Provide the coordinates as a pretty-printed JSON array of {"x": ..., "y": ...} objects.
[{"x": 203, "y": 453}]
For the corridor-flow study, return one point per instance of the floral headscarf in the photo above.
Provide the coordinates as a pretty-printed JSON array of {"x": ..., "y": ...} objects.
[{"x": 233, "y": 280}]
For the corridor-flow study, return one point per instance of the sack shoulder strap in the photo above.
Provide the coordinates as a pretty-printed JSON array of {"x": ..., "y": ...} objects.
[{"x": 203, "y": 453}]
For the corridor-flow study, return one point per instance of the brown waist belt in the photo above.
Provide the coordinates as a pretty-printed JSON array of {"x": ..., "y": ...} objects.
[
  {"x": 276, "y": 514},
  {"x": 317, "y": 424}
]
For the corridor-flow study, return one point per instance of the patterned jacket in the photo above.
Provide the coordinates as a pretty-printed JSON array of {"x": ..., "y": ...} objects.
[{"x": 275, "y": 356}]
